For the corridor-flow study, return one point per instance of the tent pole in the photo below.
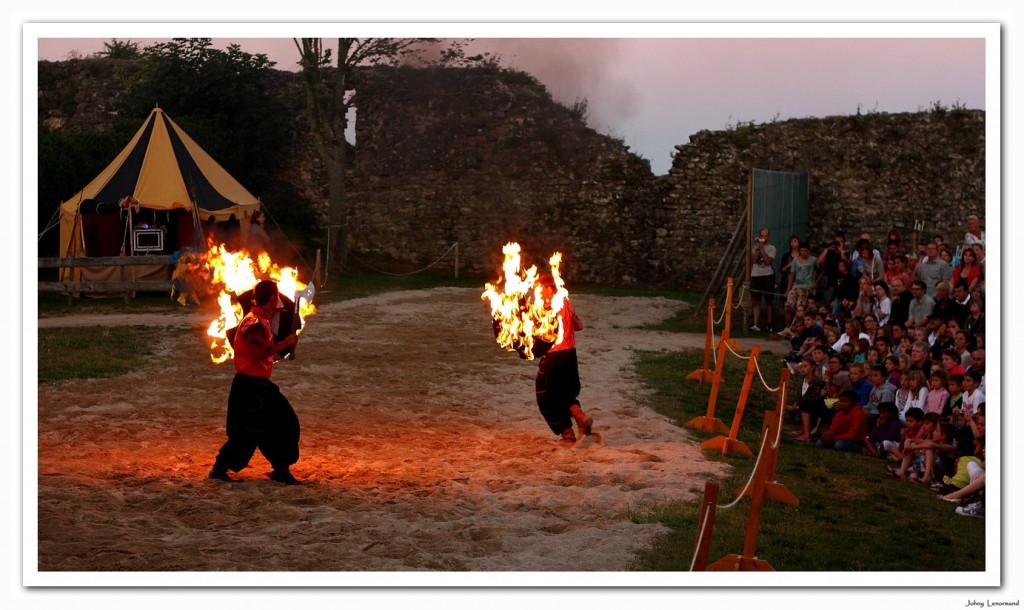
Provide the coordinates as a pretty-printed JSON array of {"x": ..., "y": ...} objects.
[{"x": 198, "y": 240}]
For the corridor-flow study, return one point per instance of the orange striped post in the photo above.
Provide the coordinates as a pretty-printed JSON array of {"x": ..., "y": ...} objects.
[
  {"x": 705, "y": 527},
  {"x": 731, "y": 443},
  {"x": 709, "y": 423},
  {"x": 748, "y": 561},
  {"x": 727, "y": 331},
  {"x": 773, "y": 490},
  {"x": 705, "y": 374}
]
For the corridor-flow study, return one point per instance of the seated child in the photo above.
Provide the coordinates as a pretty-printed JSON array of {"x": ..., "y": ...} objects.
[
  {"x": 961, "y": 475},
  {"x": 892, "y": 367},
  {"x": 953, "y": 410},
  {"x": 918, "y": 389},
  {"x": 914, "y": 466},
  {"x": 938, "y": 395},
  {"x": 907, "y": 433},
  {"x": 903, "y": 398},
  {"x": 973, "y": 395},
  {"x": 849, "y": 426},
  {"x": 860, "y": 384},
  {"x": 939, "y": 451},
  {"x": 885, "y": 436}
]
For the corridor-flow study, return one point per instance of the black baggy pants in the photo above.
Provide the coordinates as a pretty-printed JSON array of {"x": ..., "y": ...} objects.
[
  {"x": 259, "y": 417},
  {"x": 558, "y": 385}
]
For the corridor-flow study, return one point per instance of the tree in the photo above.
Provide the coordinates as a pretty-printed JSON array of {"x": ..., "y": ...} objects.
[
  {"x": 329, "y": 95},
  {"x": 222, "y": 98},
  {"x": 120, "y": 49}
]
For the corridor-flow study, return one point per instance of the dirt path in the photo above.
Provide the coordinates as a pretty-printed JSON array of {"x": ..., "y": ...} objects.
[{"x": 422, "y": 449}]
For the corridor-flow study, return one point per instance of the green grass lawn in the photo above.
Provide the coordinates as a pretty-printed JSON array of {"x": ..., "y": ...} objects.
[
  {"x": 85, "y": 353},
  {"x": 851, "y": 517}
]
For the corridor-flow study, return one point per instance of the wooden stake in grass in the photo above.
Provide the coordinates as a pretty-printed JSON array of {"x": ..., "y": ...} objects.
[
  {"x": 705, "y": 374},
  {"x": 709, "y": 423},
  {"x": 731, "y": 443}
]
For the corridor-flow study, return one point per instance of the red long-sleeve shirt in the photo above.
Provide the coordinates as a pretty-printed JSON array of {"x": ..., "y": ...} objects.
[{"x": 849, "y": 425}]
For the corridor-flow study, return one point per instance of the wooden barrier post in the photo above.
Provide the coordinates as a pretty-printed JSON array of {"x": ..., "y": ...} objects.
[
  {"x": 731, "y": 443},
  {"x": 748, "y": 561},
  {"x": 708, "y": 422},
  {"x": 727, "y": 331},
  {"x": 773, "y": 490},
  {"x": 705, "y": 374},
  {"x": 705, "y": 526}
]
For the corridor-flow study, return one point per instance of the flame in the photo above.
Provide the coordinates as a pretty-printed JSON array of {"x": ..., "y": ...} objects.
[
  {"x": 235, "y": 273},
  {"x": 518, "y": 307}
]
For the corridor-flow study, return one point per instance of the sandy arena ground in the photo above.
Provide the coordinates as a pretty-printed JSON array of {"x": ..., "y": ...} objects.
[{"x": 422, "y": 449}]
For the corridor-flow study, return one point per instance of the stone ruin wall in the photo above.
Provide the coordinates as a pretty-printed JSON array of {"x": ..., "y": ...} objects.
[{"x": 486, "y": 162}]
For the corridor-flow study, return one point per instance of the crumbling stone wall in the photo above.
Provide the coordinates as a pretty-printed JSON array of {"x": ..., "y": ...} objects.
[{"x": 482, "y": 158}]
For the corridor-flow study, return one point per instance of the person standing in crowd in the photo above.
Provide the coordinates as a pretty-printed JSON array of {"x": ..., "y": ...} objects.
[
  {"x": 258, "y": 239},
  {"x": 259, "y": 416},
  {"x": 867, "y": 261},
  {"x": 828, "y": 270},
  {"x": 974, "y": 234},
  {"x": 762, "y": 280},
  {"x": 801, "y": 281},
  {"x": 932, "y": 269},
  {"x": 786, "y": 260}
]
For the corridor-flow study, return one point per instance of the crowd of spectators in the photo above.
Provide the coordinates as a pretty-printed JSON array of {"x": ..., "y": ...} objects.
[{"x": 887, "y": 346}]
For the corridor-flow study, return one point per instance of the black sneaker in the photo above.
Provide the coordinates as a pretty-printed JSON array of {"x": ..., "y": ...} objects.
[
  {"x": 283, "y": 476},
  {"x": 222, "y": 475}
]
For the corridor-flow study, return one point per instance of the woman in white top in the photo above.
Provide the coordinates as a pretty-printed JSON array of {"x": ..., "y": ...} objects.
[
  {"x": 852, "y": 332},
  {"x": 881, "y": 307}
]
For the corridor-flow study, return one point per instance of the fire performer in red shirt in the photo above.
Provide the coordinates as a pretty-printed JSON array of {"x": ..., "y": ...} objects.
[
  {"x": 558, "y": 376},
  {"x": 259, "y": 416}
]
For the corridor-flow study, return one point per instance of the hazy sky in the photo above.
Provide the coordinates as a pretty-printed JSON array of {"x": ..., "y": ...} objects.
[{"x": 656, "y": 92}]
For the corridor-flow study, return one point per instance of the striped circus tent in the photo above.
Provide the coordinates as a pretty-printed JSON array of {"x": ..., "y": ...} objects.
[{"x": 161, "y": 190}]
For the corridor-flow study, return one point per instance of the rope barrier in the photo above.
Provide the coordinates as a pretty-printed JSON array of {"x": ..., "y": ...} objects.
[
  {"x": 753, "y": 472},
  {"x": 759, "y": 489},
  {"x": 734, "y": 353},
  {"x": 757, "y": 363},
  {"x": 739, "y": 299},
  {"x": 721, "y": 316},
  {"x": 778, "y": 432},
  {"x": 439, "y": 259},
  {"x": 700, "y": 536}
]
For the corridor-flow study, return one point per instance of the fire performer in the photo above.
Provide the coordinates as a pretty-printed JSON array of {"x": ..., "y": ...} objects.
[
  {"x": 558, "y": 376},
  {"x": 259, "y": 416}
]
